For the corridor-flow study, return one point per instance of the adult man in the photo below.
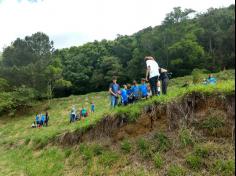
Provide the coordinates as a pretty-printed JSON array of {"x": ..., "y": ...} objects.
[
  {"x": 164, "y": 80},
  {"x": 114, "y": 88},
  {"x": 152, "y": 73}
]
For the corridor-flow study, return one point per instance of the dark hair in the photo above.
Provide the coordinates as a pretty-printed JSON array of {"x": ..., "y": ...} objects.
[
  {"x": 114, "y": 78},
  {"x": 143, "y": 80},
  {"x": 134, "y": 82},
  {"x": 128, "y": 86}
]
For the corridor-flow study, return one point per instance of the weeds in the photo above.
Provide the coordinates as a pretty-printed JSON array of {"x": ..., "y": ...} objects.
[
  {"x": 164, "y": 143},
  {"x": 126, "y": 146},
  {"x": 175, "y": 170},
  {"x": 185, "y": 137},
  {"x": 158, "y": 160}
]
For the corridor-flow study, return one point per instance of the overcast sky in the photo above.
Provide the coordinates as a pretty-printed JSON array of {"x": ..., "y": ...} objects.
[{"x": 75, "y": 22}]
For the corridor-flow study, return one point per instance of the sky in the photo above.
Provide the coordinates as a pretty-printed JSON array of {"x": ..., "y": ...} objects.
[{"x": 75, "y": 22}]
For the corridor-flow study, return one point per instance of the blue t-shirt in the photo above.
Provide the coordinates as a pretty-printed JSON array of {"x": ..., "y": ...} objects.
[
  {"x": 92, "y": 107},
  {"x": 37, "y": 118},
  {"x": 43, "y": 118},
  {"x": 129, "y": 92},
  {"x": 211, "y": 80},
  {"x": 124, "y": 96},
  {"x": 114, "y": 87},
  {"x": 143, "y": 89},
  {"x": 135, "y": 90}
]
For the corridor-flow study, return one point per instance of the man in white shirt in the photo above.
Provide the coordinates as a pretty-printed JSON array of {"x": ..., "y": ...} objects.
[{"x": 152, "y": 73}]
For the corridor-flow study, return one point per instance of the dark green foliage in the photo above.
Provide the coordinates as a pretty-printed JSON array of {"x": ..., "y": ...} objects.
[
  {"x": 201, "y": 151},
  {"x": 163, "y": 142}
]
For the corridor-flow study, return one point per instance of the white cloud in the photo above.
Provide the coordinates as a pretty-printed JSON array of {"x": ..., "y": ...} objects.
[{"x": 73, "y": 22}]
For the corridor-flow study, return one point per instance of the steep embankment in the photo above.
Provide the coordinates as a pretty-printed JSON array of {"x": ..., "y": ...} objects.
[{"x": 186, "y": 111}]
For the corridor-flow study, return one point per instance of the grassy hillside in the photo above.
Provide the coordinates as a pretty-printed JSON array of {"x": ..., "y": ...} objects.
[{"x": 26, "y": 151}]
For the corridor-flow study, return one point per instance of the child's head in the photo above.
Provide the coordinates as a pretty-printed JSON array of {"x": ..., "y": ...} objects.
[
  {"x": 143, "y": 80},
  {"x": 134, "y": 83},
  {"x": 114, "y": 79},
  {"x": 128, "y": 86}
]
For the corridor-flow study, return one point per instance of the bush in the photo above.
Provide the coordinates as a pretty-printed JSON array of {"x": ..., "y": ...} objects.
[
  {"x": 126, "y": 146},
  {"x": 224, "y": 167},
  {"x": 194, "y": 161},
  {"x": 175, "y": 170},
  {"x": 164, "y": 143},
  {"x": 158, "y": 161},
  {"x": 201, "y": 151},
  {"x": 185, "y": 137}
]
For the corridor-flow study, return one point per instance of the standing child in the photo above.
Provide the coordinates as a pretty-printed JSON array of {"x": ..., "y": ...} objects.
[
  {"x": 130, "y": 94},
  {"x": 124, "y": 96},
  {"x": 143, "y": 89},
  {"x": 46, "y": 119},
  {"x": 92, "y": 107},
  {"x": 158, "y": 88}
]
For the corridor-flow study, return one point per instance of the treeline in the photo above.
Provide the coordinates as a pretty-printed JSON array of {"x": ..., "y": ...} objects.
[{"x": 30, "y": 68}]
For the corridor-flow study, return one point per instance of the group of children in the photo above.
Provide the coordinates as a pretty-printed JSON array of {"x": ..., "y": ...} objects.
[
  {"x": 131, "y": 93},
  {"x": 210, "y": 80},
  {"x": 40, "y": 120},
  {"x": 83, "y": 113}
]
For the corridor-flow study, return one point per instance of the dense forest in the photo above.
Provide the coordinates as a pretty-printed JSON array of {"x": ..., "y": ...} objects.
[{"x": 31, "y": 68}]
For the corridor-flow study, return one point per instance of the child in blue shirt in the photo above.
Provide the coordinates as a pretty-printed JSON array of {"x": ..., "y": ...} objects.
[
  {"x": 124, "y": 96},
  {"x": 37, "y": 120},
  {"x": 211, "y": 80},
  {"x": 92, "y": 107},
  {"x": 130, "y": 94},
  {"x": 143, "y": 89},
  {"x": 135, "y": 90}
]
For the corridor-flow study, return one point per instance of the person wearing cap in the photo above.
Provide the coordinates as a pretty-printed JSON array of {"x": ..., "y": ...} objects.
[{"x": 152, "y": 73}]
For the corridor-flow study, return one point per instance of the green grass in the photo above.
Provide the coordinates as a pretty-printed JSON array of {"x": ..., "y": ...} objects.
[{"x": 25, "y": 151}]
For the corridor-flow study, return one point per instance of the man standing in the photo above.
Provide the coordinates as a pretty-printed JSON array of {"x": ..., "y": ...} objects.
[
  {"x": 114, "y": 89},
  {"x": 164, "y": 80},
  {"x": 152, "y": 73}
]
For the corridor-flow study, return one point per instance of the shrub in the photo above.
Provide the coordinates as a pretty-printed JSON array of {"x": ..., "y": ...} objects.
[
  {"x": 126, "y": 146},
  {"x": 201, "y": 151},
  {"x": 164, "y": 143},
  {"x": 27, "y": 140},
  {"x": 224, "y": 167},
  {"x": 185, "y": 137},
  {"x": 68, "y": 153},
  {"x": 158, "y": 160},
  {"x": 175, "y": 170},
  {"x": 194, "y": 161}
]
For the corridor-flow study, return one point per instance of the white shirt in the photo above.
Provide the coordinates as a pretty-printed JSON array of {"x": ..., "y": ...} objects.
[{"x": 154, "y": 68}]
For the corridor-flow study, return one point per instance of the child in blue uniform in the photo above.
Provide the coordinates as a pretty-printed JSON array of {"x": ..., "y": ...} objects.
[
  {"x": 124, "y": 96},
  {"x": 135, "y": 90},
  {"x": 143, "y": 89}
]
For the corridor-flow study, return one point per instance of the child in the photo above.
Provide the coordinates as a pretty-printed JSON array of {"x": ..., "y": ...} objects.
[
  {"x": 92, "y": 107},
  {"x": 130, "y": 94},
  {"x": 42, "y": 119},
  {"x": 149, "y": 91},
  {"x": 158, "y": 88},
  {"x": 211, "y": 80},
  {"x": 37, "y": 120},
  {"x": 113, "y": 90},
  {"x": 143, "y": 89},
  {"x": 46, "y": 119},
  {"x": 33, "y": 125},
  {"x": 135, "y": 90},
  {"x": 84, "y": 112},
  {"x": 124, "y": 96}
]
